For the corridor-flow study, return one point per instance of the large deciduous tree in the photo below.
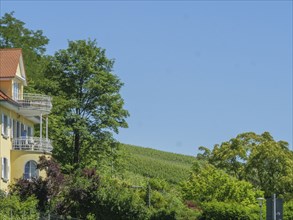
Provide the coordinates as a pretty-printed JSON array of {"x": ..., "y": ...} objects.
[
  {"x": 270, "y": 166},
  {"x": 259, "y": 159},
  {"x": 207, "y": 183},
  {"x": 88, "y": 107}
]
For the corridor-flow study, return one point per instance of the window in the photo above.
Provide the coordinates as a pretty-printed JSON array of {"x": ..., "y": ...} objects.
[
  {"x": 23, "y": 131},
  {"x": 5, "y": 169},
  {"x": 14, "y": 128},
  {"x": 29, "y": 131},
  {"x": 30, "y": 170},
  {"x": 18, "y": 129},
  {"x": 5, "y": 125},
  {"x": 11, "y": 127},
  {"x": 15, "y": 91}
]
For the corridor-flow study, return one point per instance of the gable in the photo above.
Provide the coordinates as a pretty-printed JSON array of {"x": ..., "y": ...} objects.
[
  {"x": 20, "y": 69},
  {"x": 11, "y": 64}
]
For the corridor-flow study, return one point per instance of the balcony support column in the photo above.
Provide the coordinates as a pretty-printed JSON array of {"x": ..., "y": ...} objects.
[
  {"x": 46, "y": 127},
  {"x": 41, "y": 127}
]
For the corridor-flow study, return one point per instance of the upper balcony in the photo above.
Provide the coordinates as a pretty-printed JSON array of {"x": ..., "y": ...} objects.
[{"x": 35, "y": 104}]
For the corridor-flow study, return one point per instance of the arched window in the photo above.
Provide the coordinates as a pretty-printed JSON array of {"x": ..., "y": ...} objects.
[{"x": 30, "y": 170}]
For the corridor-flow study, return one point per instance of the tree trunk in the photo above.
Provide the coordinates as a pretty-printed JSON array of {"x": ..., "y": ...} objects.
[{"x": 76, "y": 149}]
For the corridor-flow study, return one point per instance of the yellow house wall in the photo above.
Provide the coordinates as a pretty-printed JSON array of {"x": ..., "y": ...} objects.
[
  {"x": 18, "y": 161},
  {"x": 6, "y": 145},
  {"x": 6, "y": 87}
]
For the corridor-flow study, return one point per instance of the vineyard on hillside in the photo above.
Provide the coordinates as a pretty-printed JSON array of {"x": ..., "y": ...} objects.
[{"x": 171, "y": 167}]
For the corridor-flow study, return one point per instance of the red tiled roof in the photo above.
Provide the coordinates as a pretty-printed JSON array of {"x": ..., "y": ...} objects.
[
  {"x": 6, "y": 98},
  {"x": 9, "y": 59}
]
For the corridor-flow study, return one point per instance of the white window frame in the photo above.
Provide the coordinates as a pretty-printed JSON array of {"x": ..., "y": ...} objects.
[
  {"x": 4, "y": 169},
  {"x": 11, "y": 127},
  {"x": 28, "y": 175},
  {"x": 16, "y": 91},
  {"x": 30, "y": 131},
  {"x": 5, "y": 125},
  {"x": 18, "y": 129},
  {"x": 14, "y": 128}
]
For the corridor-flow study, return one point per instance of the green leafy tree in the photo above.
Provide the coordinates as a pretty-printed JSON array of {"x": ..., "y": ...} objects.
[
  {"x": 207, "y": 183},
  {"x": 270, "y": 167},
  {"x": 232, "y": 155},
  {"x": 14, "y": 34},
  {"x": 219, "y": 195},
  {"x": 259, "y": 159},
  {"x": 288, "y": 210},
  {"x": 88, "y": 105}
]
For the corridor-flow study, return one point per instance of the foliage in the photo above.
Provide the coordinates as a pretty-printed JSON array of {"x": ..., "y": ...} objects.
[
  {"x": 2, "y": 194},
  {"x": 99, "y": 198},
  {"x": 120, "y": 201},
  {"x": 78, "y": 194},
  {"x": 271, "y": 168},
  {"x": 168, "y": 205},
  {"x": 126, "y": 199},
  {"x": 81, "y": 194},
  {"x": 288, "y": 210},
  {"x": 14, "y": 34},
  {"x": 14, "y": 206},
  {"x": 88, "y": 106},
  {"x": 36, "y": 187},
  {"x": 206, "y": 184},
  {"x": 42, "y": 189},
  {"x": 259, "y": 159},
  {"x": 229, "y": 211},
  {"x": 232, "y": 155}
]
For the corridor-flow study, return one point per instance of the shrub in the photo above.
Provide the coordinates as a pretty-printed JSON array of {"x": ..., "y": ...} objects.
[
  {"x": 288, "y": 210},
  {"x": 2, "y": 194},
  {"x": 12, "y": 206},
  {"x": 229, "y": 211}
]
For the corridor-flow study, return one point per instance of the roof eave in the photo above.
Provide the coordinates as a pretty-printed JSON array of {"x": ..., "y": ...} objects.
[{"x": 14, "y": 106}]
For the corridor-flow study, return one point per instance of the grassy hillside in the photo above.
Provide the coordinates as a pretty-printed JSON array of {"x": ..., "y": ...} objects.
[{"x": 157, "y": 164}]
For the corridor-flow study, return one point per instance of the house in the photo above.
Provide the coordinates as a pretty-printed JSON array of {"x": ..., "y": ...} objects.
[{"x": 20, "y": 149}]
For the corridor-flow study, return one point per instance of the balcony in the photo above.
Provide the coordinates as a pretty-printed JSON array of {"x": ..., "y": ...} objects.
[
  {"x": 32, "y": 144},
  {"x": 35, "y": 104}
]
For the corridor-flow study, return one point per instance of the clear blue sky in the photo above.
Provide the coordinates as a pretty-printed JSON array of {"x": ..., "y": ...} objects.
[{"x": 195, "y": 73}]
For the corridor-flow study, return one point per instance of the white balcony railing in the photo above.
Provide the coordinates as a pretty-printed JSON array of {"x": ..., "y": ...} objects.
[
  {"x": 37, "y": 102},
  {"x": 32, "y": 144}
]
